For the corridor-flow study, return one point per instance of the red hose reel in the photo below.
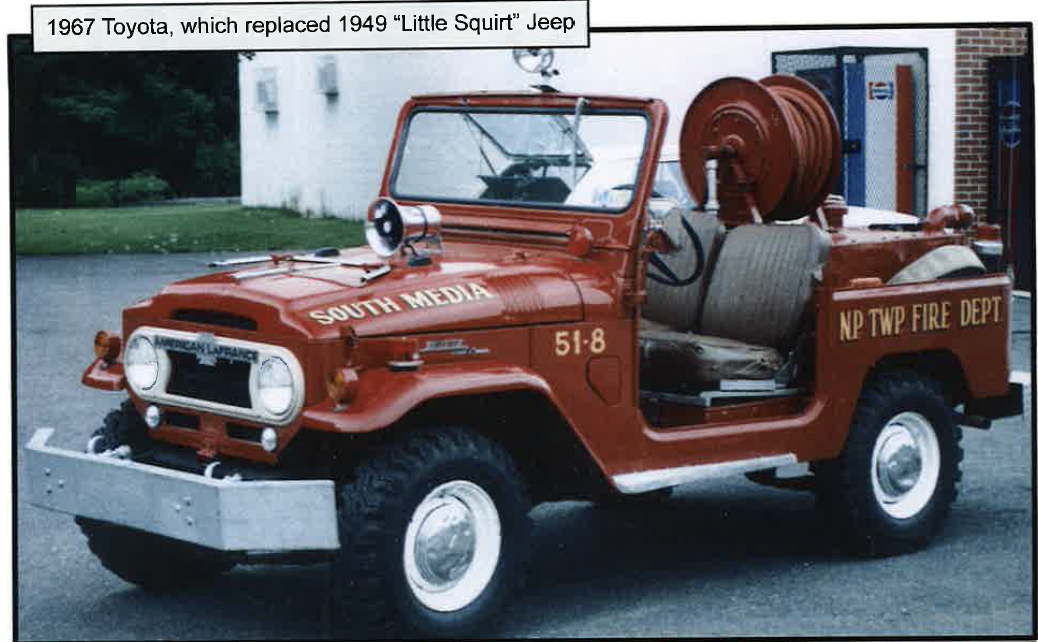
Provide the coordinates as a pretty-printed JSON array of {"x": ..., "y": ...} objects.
[{"x": 777, "y": 144}]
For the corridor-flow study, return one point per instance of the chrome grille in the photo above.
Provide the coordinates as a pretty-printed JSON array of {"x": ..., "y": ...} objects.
[
  {"x": 226, "y": 382},
  {"x": 202, "y": 372}
]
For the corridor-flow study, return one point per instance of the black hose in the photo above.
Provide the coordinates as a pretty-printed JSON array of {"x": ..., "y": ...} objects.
[{"x": 671, "y": 279}]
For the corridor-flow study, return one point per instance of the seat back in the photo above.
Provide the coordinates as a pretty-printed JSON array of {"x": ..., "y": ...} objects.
[
  {"x": 679, "y": 307},
  {"x": 761, "y": 283}
]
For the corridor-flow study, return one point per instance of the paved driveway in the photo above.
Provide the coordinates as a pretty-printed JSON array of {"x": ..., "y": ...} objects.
[{"x": 724, "y": 559}]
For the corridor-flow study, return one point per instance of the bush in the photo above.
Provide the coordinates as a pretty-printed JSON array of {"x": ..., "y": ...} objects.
[
  {"x": 141, "y": 186},
  {"x": 91, "y": 193}
]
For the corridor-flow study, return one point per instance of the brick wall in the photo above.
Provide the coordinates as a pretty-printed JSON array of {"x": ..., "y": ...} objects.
[{"x": 973, "y": 47}]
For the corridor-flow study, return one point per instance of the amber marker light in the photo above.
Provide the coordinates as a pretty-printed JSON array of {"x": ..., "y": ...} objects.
[
  {"x": 107, "y": 346},
  {"x": 342, "y": 385}
]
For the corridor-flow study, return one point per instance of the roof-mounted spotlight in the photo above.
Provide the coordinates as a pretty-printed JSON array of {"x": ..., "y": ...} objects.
[{"x": 537, "y": 60}]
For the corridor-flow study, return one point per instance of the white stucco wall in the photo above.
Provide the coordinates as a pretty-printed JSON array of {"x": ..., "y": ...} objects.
[{"x": 326, "y": 156}]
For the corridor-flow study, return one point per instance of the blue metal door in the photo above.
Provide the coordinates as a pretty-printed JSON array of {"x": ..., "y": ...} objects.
[{"x": 854, "y": 134}]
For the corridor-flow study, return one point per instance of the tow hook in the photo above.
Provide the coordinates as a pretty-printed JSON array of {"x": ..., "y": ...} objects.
[
  {"x": 120, "y": 452},
  {"x": 92, "y": 445},
  {"x": 211, "y": 472}
]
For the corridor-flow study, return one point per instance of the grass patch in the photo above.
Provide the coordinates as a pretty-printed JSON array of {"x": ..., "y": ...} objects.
[{"x": 176, "y": 228}]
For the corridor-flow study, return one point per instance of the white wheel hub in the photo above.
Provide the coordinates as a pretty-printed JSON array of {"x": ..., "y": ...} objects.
[
  {"x": 452, "y": 546},
  {"x": 906, "y": 462}
]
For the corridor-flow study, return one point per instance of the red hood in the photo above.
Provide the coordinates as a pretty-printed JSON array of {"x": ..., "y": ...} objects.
[{"x": 467, "y": 287}]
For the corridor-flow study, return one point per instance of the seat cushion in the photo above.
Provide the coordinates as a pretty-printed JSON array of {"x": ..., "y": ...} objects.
[
  {"x": 761, "y": 283},
  {"x": 679, "y": 307},
  {"x": 670, "y": 358}
]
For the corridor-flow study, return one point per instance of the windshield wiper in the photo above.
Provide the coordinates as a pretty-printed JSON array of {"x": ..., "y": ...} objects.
[
  {"x": 264, "y": 258},
  {"x": 479, "y": 141},
  {"x": 244, "y": 260},
  {"x": 316, "y": 260},
  {"x": 371, "y": 270}
]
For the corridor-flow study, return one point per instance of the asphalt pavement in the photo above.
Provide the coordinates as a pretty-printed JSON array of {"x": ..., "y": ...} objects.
[{"x": 726, "y": 558}]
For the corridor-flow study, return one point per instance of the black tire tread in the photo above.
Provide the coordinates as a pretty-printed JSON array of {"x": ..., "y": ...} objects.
[
  {"x": 847, "y": 500},
  {"x": 153, "y": 562},
  {"x": 122, "y": 426},
  {"x": 364, "y": 587},
  {"x": 150, "y": 561}
]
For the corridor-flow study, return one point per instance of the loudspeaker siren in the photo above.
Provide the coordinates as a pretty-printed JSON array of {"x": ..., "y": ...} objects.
[{"x": 391, "y": 226}]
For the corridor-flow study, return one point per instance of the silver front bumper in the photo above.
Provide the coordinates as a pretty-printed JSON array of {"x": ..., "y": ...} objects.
[{"x": 273, "y": 516}]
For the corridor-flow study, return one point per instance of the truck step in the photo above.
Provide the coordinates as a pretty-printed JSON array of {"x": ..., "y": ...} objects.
[{"x": 736, "y": 390}]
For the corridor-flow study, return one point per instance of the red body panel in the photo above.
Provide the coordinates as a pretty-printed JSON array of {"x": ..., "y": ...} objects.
[
  {"x": 507, "y": 307},
  {"x": 527, "y": 287}
]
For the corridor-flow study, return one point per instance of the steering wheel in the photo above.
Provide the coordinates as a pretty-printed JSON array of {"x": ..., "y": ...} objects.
[
  {"x": 524, "y": 170},
  {"x": 523, "y": 176},
  {"x": 668, "y": 277}
]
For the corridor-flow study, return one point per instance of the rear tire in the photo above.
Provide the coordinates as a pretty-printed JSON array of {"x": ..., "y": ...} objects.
[
  {"x": 435, "y": 533},
  {"x": 891, "y": 489}
]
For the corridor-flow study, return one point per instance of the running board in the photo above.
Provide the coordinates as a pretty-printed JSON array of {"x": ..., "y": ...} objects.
[
  {"x": 649, "y": 480},
  {"x": 706, "y": 398}
]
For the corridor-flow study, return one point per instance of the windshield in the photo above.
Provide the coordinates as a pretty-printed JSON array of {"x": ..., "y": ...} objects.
[
  {"x": 671, "y": 184},
  {"x": 545, "y": 159}
]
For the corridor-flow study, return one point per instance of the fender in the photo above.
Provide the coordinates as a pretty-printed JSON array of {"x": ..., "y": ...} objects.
[
  {"x": 954, "y": 316},
  {"x": 384, "y": 397},
  {"x": 861, "y": 328}
]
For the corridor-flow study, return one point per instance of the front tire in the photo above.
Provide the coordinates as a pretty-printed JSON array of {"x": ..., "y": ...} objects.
[
  {"x": 435, "y": 536},
  {"x": 153, "y": 562},
  {"x": 891, "y": 489},
  {"x": 121, "y": 427}
]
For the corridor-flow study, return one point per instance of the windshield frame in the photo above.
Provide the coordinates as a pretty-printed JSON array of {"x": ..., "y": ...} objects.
[{"x": 531, "y": 205}]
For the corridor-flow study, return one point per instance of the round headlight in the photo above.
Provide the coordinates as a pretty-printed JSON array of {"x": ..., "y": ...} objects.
[
  {"x": 275, "y": 386},
  {"x": 141, "y": 363}
]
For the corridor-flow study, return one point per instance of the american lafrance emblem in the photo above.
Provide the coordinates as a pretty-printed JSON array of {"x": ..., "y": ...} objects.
[{"x": 206, "y": 349}]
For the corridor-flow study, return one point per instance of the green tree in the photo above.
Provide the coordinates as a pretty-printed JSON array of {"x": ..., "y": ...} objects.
[{"x": 110, "y": 115}]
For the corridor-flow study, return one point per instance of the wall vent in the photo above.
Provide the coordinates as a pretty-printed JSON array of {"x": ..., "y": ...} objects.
[
  {"x": 267, "y": 90},
  {"x": 327, "y": 76}
]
